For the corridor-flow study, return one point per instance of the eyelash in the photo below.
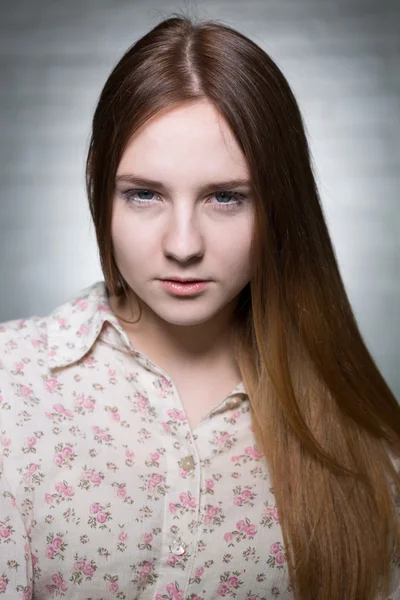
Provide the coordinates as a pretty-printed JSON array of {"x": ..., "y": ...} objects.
[{"x": 240, "y": 198}]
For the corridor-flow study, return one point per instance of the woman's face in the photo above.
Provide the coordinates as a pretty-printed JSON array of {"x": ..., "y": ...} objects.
[{"x": 176, "y": 228}]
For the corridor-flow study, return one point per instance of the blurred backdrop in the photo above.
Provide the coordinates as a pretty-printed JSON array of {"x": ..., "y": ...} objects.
[{"x": 341, "y": 58}]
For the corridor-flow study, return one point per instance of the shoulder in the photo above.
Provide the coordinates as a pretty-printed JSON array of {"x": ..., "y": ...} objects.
[
  {"x": 36, "y": 340},
  {"x": 22, "y": 337}
]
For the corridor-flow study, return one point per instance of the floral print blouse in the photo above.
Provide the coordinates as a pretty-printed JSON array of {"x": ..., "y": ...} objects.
[{"x": 106, "y": 492}]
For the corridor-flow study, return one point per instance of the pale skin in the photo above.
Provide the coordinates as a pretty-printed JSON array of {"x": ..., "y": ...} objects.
[{"x": 180, "y": 230}]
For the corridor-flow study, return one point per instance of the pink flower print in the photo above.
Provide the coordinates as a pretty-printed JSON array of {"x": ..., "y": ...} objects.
[
  {"x": 222, "y": 590},
  {"x": 88, "y": 570},
  {"x": 89, "y": 403},
  {"x": 124, "y": 536},
  {"x": 154, "y": 456},
  {"x": 57, "y": 542},
  {"x": 81, "y": 304},
  {"x": 79, "y": 564},
  {"x": 121, "y": 492},
  {"x": 115, "y": 416},
  {"x": 236, "y": 414},
  {"x": 112, "y": 586},
  {"x": 129, "y": 453},
  {"x": 68, "y": 491},
  {"x": 25, "y": 391},
  {"x": 62, "y": 410},
  {"x": 30, "y": 471},
  {"x": 96, "y": 429},
  {"x": 211, "y": 512},
  {"x": 154, "y": 480},
  {"x": 247, "y": 493},
  {"x": 172, "y": 508},
  {"x": 172, "y": 560},
  {"x": 274, "y": 548},
  {"x": 96, "y": 478},
  {"x": 56, "y": 579},
  {"x": 48, "y": 498},
  {"x": 50, "y": 551},
  {"x": 147, "y": 567},
  {"x": 94, "y": 508},
  {"x": 19, "y": 367},
  {"x": 228, "y": 537},
  {"x": 183, "y": 497},
  {"x": 59, "y": 486},
  {"x": 232, "y": 581},
  {"x": 199, "y": 572},
  {"x": 59, "y": 582},
  {"x": 3, "y": 583},
  {"x": 187, "y": 500},
  {"x": 209, "y": 484},
  {"x": 101, "y": 517},
  {"x": 4, "y": 532},
  {"x": 51, "y": 384},
  {"x": 111, "y": 373},
  {"x": 251, "y": 530},
  {"x": 83, "y": 330},
  {"x": 238, "y": 501},
  {"x": 67, "y": 451},
  {"x": 280, "y": 558},
  {"x": 6, "y": 441},
  {"x": 171, "y": 589},
  {"x": 221, "y": 439},
  {"x": 142, "y": 405},
  {"x": 240, "y": 525},
  {"x": 30, "y": 441},
  {"x": 176, "y": 414},
  {"x": 59, "y": 459},
  {"x": 251, "y": 450},
  {"x": 27, "y": 594}
]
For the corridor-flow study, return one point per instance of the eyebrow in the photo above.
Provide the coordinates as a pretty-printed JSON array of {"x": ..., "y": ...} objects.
[{"x": 209, "y": 187}]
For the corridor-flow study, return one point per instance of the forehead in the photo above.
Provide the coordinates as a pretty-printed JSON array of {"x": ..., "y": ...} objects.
[{"x": 191, "y": 141}]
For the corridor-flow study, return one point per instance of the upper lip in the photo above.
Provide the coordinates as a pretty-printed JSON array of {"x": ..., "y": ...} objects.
[{"x": 183, "y": 279}]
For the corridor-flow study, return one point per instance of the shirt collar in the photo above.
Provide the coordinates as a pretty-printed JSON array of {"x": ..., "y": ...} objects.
[{"x": 73, "y": 327}]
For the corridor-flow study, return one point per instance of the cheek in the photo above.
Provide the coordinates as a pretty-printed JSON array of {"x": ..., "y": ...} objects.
[{"x": 130, "y": 242}]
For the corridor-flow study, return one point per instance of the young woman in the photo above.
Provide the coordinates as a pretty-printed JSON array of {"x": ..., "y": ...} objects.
[{"x": 229, "y": 438}]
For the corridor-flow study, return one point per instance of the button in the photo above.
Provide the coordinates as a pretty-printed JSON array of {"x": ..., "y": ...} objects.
[
  {"x": 177, "y": 547},
  {"x": 187, "y": 463},
  {"x": 233, "y": 402}
]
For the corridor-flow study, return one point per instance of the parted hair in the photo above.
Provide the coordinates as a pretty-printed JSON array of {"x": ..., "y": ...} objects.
[{"x": 323, "y": 417}]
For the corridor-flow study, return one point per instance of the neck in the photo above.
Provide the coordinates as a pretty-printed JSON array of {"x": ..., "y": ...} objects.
[{"x": 192, "y": 345}]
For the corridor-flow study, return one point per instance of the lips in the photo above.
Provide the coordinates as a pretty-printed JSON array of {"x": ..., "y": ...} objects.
[{"x": 186, "y": 280}]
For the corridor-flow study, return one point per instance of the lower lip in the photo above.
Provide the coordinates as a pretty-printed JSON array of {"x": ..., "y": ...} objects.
[{"x": 184, "y": 289}]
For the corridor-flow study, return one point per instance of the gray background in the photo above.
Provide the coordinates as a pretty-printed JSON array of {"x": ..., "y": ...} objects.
[{"x": 342, "y": 61}]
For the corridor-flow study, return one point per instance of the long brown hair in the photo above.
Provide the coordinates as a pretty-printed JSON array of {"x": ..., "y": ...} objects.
[{"x": 323, "y": 416}]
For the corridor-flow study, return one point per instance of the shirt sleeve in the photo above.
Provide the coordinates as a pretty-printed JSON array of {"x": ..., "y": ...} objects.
[{"x": 15, "y": 581}]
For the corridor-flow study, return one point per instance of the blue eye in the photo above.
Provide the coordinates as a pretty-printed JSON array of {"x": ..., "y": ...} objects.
[{"x": 238, "y": 198}]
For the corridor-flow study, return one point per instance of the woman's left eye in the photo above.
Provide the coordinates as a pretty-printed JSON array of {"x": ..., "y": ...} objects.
[{"x": 238, "y": 197}]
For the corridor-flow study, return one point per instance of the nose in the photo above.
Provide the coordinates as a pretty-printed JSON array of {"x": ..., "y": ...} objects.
[{"x": 183, "y": 239}]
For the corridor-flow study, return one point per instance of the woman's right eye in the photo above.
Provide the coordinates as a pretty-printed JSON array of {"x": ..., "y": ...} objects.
[{"x": 127, "y": 195}]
